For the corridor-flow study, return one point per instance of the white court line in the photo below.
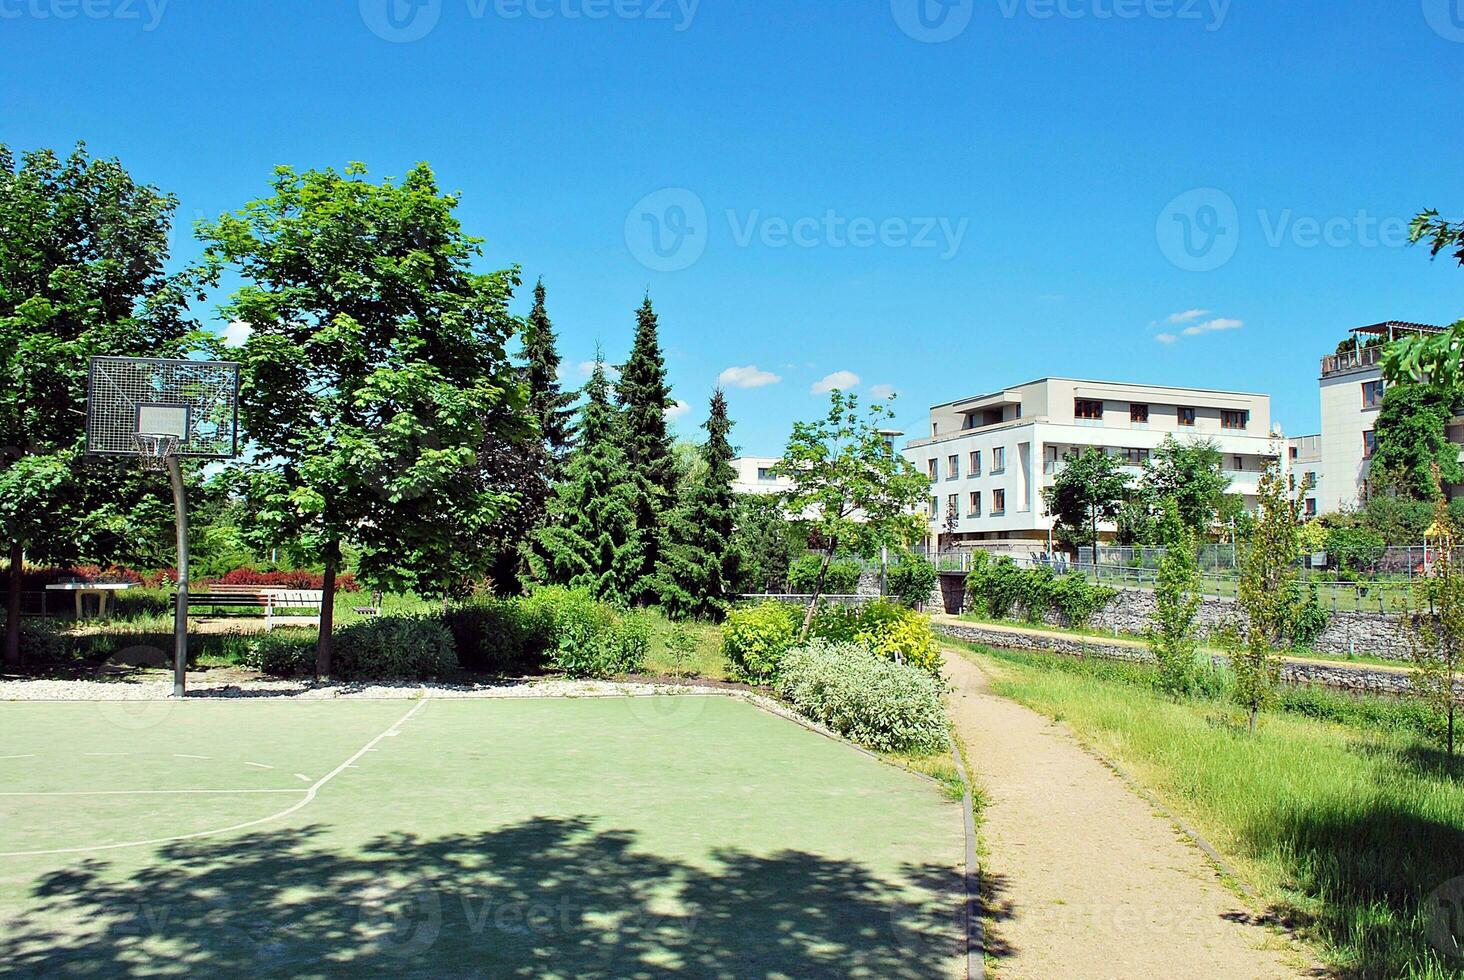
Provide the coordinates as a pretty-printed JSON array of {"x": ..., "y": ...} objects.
[
  {"x": 258, "y": 765},
  {"x": 295, "y": 808},
  {"x": 179, "y": 755},
  {"x": 106, "y": 755},
  {"x": 301, "y": 776},
  {"x": 4, "y": 758},
  {"x": 150, "y": 792}
]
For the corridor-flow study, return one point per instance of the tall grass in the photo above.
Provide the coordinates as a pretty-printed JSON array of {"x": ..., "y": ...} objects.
[{"x": 1344, "y": 827}]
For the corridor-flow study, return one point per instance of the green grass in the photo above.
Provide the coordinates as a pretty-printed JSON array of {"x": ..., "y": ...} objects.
[
  {"x": 1343, "y": 827},
  {"x": 591, "y": 837},
  {"x": 707, "y": 661}
]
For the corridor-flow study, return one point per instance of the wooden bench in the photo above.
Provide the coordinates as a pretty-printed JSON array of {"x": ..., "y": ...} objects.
[{"x": 255, "y": 597}]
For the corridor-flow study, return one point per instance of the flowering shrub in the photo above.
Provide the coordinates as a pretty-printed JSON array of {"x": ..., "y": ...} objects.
[{"x": 875, "y": 702}]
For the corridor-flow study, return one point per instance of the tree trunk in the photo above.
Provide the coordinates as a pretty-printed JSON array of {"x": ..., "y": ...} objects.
[
  {"x": 325, "y": 646},
  {"x": 818, "y": 585},
  {"x": 12, "y": 604},
  {"x": 1253, "y": 709}
]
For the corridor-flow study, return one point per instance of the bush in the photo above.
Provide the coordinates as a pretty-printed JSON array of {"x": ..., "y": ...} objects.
[
  {"x": 895, "y": 633},
  {"x": 135, "y": 603},
  {"x": 281, "y": 653},
  {"x": 995, "y": 583},
  {"x": 1309, "y": 616},
  {"x": 1035, "y": 592},
  {"x": 883, "y": 705},
  {"x": 912, "y": 579},
  {"x": 394, "y": 648},
  {"x": 1077, "y": 599},
  {"x": 755, "y": 639},
  {"x": 299, "y": 579},
  {"x": 501, "y": 636},
  {"x": 1355, "y": 548},
  {"x": 589, "y": 638},
  {"x": 842, "y": 577}
]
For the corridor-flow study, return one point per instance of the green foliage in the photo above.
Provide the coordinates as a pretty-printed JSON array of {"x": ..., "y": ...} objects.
[
  {"x": 999, "y": 587},
  {"x": 860, "y": 495},
  {"x": 755, "y": 639},
  {"x": 375, "y": 374},
  {"x": 681, "y": 649},
  {"x": 1077, "y": 599},
  {"x": 590, "y": 540},
  {"x": 699, "y": 564},
  {"x": 550, "y": 406},
  {"x": 1173, "y": 638},
  {"x": 1090, "y": 489},
  {"x": 1355, "y": 548},
  {"x": 995, "y": 582},
  {"x": 288, "y": 652},
  {"x": 912, "y": 579},
  {"x": 879, "y": 704},
  {"x": 643, "y": 396},
  {"x": 1412, "y": 439},
  {"x": 841, "y": 577},
  {"x": 501, "y": 636},
  {"x": 395, "y": 648},
  {"x": 1035, "y": 587},
  {"x": 1309, "y": 616},
  {"x": 1190, "y": 474},
  {"x": 896, "y": 633},
  {"x": 766, "y": 542},
  {"x": 1266, "y": 590},
  {"x": 1437, "y": 637},
  {"x": 591, "y": 638}
]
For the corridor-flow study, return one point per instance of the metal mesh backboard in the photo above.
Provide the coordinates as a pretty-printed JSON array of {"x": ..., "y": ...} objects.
[{"x": 196, "y": 402}]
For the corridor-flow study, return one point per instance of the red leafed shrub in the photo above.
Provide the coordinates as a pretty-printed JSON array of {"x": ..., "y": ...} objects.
[
  {"x": 36, "y": 579},
  {"x": 302, "y": 580}
]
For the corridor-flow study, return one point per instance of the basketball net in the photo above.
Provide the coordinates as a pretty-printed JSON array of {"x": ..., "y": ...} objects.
[{"x": 154, "y": 450}]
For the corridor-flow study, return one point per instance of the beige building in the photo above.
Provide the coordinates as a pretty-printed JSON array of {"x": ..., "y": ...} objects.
[
  {"x": 990, "y": 456},
  {"x": 1352, "y": 392},
  {"x": 755, "y": 475},
  {"x": 1304, "y": 456}
]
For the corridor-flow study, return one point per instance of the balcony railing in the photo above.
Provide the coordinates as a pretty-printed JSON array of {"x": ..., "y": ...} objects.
[{"x": 1352, "y": 360}]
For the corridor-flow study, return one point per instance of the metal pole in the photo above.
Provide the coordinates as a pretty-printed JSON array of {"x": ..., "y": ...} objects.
[{"x": 180, "y": 615}]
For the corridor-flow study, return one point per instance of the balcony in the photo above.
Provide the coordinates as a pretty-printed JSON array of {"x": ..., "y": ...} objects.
[{"x": 1353, "y": 360}]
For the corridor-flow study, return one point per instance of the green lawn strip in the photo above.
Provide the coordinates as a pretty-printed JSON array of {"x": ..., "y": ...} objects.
[
  {"x": 594, "y": 836},
  {"x": 1343, "y": 830}
]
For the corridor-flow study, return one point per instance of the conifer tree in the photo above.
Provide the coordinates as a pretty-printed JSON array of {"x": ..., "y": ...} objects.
[
  {"x": 699, "y": 565},
  {"x": 589, "y": 540},
  {"x": 552, "y": 407},
  {"x": 644, "y": 397}
]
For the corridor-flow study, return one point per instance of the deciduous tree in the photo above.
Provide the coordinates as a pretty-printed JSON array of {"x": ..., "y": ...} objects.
[
  {"x": 1089, "y": 489},
  {"x": 1173, "y": 638},
  {"x": 1437, "y": 633}
]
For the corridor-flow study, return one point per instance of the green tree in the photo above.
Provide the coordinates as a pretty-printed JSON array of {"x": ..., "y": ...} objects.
[
  {"x": 1412, "y": 439},
  {"x": 590, "y": 539},
  {"x": 549, "y": 405},
  {"x": 1090, "y": 488},
  {"x": 1190, "y": 474},
  {"x": 1173, "y": 638},
  {"x": 1437, "y": 633},
  {"x": 766, "y": 542},
  {"x": 1267, "y": 588},
  {"x": 859, "y": 495},
  {"x": 912, "y": 579},
  {"x": 81, "y": 274},
  {"x": 375, "y": 372},
  {"x": 1436, "y": 359},
  {"x": 699, "y": 564},
  {"x": 644, "y": 396}
]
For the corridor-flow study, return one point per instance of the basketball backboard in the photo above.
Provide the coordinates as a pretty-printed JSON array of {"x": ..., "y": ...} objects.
[{"x": 133, "y": 403}]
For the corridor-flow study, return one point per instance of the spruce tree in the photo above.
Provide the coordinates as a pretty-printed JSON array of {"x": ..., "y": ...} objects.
[
  {"x": 589, "y": 540},
  {"x": 699, "y": 565},
  {"x": 644, "y": 397},
  {"x": 552, "y": 407}
]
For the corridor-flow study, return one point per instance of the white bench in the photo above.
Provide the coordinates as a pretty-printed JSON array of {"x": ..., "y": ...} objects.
[{"x": 279, "y": 599}]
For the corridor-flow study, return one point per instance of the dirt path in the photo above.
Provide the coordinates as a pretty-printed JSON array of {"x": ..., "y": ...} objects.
[{"x": 1080, "y": 878}]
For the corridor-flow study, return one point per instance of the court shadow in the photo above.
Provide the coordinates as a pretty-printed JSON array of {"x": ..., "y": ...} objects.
[{"x": 544, "y": 896}]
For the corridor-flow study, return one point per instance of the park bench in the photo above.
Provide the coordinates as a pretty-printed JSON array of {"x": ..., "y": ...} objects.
[{"x": 271, "y": 600}]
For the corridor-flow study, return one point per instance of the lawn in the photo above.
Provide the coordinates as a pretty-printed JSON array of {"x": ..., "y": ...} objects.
[
  {"x": 1343, "y": 830},
  {"x": 566, "y": 837}
]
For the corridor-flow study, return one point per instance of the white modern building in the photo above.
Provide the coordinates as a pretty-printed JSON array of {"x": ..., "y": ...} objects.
[
  {"x": 755, "y": 475},
  {"x": 990, "y": 456},
  {"x": 1352, "y": 392},
  {"x": 1304, "y": 456}
]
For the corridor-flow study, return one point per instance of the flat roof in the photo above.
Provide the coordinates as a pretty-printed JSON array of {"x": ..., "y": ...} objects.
[{"x": 1091, "y": 381}]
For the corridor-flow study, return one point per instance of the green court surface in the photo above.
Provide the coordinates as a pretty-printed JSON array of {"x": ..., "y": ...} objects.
[{"x": 592, "y": 837}]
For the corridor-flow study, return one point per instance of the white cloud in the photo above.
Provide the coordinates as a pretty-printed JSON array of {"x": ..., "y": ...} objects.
[
  {"x": 676, "y": 411},
  {"x": 587, "y": 368},
  {"x": 842, "y": 380},
  {"x": 1186, "y": 316},
  {"x": 747, "y": 377},
  {"x": 1165, "y": 338},
  {"x": 882, "y": 393},
  {"x": 1213, "y": 326},
  {"x": 236, "y": 333}
]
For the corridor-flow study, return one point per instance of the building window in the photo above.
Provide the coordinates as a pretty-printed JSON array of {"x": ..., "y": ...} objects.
[
  {"x": 934, "y": 507},
  {"x": 765, "y": 474},
  {"x": 973, "y": 509},
  {"x": 953, "y": 467},
  {"x": 1369, "y": 444},
  {"x": 934, "y": 429},
  {"x": 1311, "y": 507},
  {"x": 1186, "y": 416},
  {"x": 998, "y": 460},
  {"x": 1139, "y": 414},
  {"x": 933, "y": 467},
  {"x": 998, "y": 502},
  {"x": 953, "y": 505},
  {"x": 1238, "y": 463},
  {"x": 1309, "y": 479},
  {"x": 1295, "y": 453},
  {"x": 1234, "y": 420},
  {"x": 1091, "y": 411},
  {"x": 1134, "y": 457},
  {"x": 1372, "y": 394},
  {"x": 975, "y": 467}
]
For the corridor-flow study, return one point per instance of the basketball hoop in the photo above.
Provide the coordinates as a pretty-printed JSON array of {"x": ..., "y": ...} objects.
[{"x": 153, "y": 451}]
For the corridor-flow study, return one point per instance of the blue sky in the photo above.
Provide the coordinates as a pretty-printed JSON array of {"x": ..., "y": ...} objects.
[{"x": 942, "y": 199}]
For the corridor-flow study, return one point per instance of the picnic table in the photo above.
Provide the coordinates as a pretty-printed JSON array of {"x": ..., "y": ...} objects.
[{"x": 102, "y": 590}]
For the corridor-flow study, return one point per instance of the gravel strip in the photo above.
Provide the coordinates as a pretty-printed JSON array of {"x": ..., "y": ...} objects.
[{"x": 161, "y": 690}]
